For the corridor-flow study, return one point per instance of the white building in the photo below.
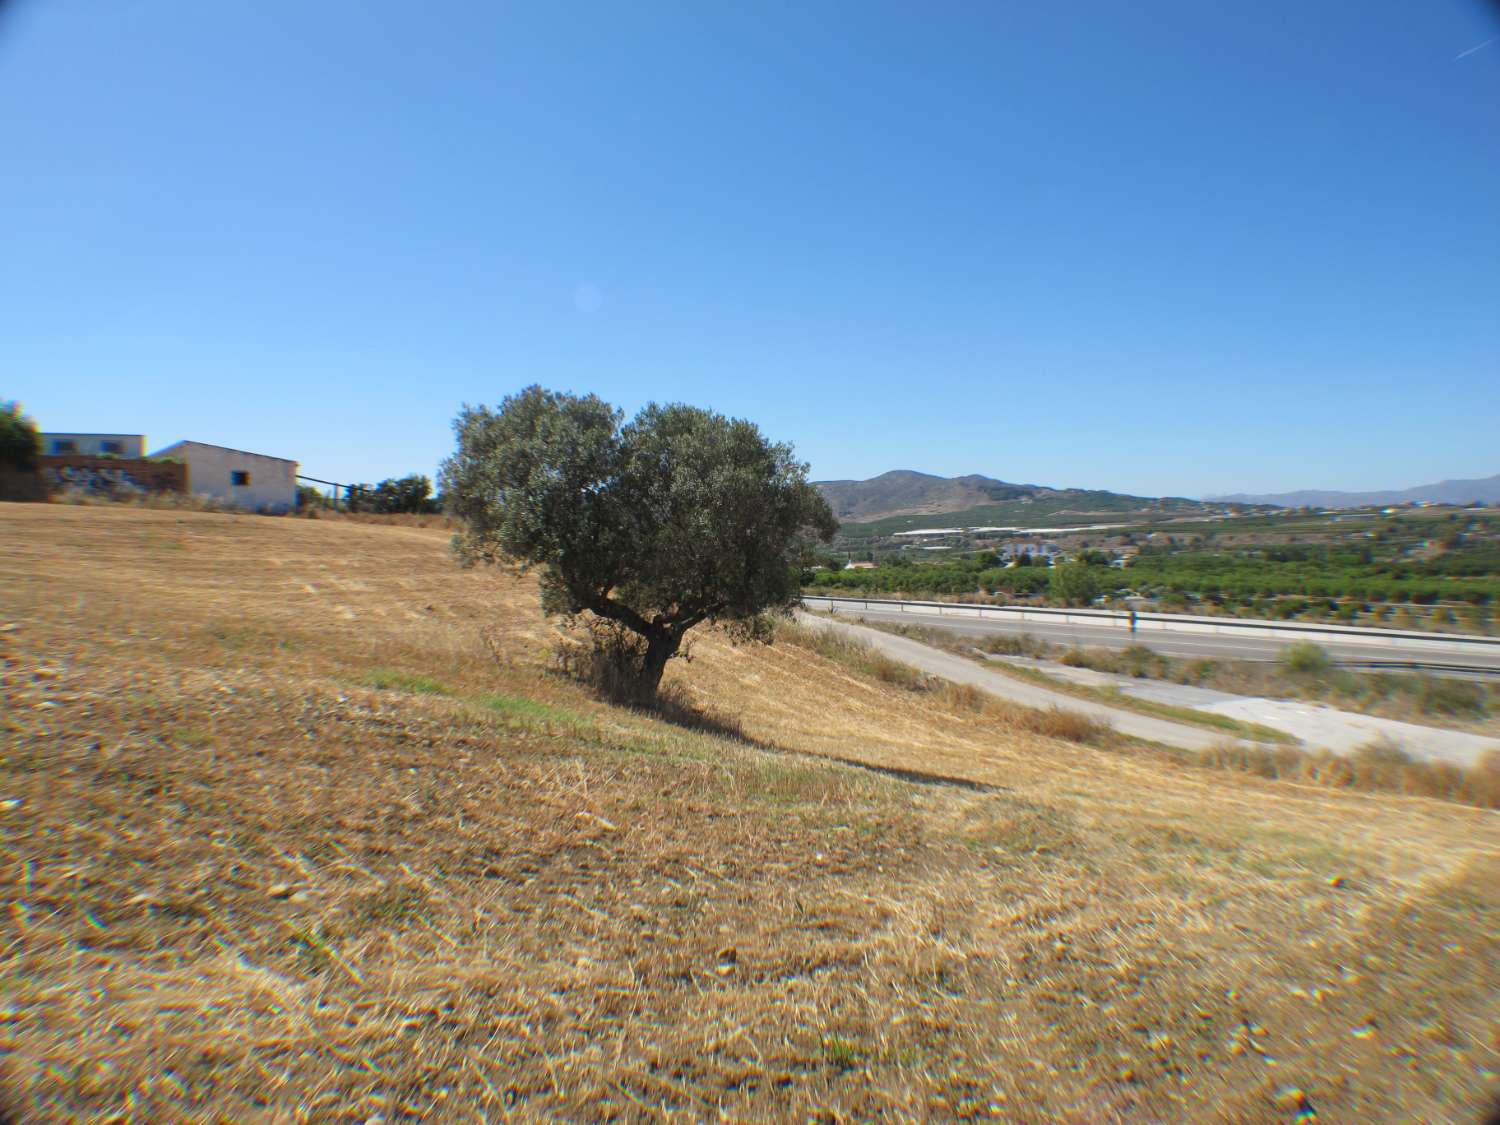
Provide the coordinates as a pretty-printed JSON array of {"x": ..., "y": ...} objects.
[
  {"x": 1038, "y": 550},
  {"x": 247, "y": 480},
  {"x": 94, "y": 445}
]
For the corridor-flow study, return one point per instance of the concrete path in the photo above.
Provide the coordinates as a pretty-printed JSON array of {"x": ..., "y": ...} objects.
[
  {"x": 962, "y": 670},
  {"x": 1316, "y": 724}
]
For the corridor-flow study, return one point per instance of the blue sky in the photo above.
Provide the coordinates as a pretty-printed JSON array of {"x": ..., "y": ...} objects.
[{"x": 1163, "y": 247}]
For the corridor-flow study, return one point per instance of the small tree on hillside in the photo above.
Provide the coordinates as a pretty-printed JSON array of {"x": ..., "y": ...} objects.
[
  {"x": 20, "y": 444},
  {"x": 679, "y": 517}
]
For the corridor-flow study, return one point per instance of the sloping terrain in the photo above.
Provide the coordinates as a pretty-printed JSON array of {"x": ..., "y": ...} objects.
[{"x": 296, "y": 824}]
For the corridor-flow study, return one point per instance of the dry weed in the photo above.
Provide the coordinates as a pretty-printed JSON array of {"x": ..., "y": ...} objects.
[{"x": 246, "y": 885}]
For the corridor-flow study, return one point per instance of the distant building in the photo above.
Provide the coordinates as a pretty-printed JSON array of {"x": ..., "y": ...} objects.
[
  {"x": 859, "y": 566},
  {"x": 252, "y": 481},
  {"x": 1044, "y": 549},
  {"x": 131, "y": 446}
]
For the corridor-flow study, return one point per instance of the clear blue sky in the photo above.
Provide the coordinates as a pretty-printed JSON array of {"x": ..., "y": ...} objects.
[{"x": 1161, "y": 247}]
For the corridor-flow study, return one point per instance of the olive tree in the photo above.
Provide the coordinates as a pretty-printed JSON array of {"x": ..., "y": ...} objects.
[{"x": 678, "y": 517}]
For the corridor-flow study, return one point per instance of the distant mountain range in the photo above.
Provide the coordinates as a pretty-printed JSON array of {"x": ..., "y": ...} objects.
[
  {"x": 903, "y": 495},
  {"x": 1485, "y": 491}
]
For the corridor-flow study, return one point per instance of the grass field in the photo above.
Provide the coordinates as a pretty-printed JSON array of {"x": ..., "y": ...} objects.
[{"x": 297, "y": 825}]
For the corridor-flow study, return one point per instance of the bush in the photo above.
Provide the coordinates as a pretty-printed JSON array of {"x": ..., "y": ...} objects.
[
  {"x": 20, "y": 444},
  {"x": 1305, "y": 658},
  {"x": 1012, "y": 644},
  {"x": 1438, "y": 695},
  {"x": 1072, "y": 726}
]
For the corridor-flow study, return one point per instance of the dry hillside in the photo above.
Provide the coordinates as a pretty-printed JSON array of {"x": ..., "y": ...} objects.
[{"x": 297, "y": 826}]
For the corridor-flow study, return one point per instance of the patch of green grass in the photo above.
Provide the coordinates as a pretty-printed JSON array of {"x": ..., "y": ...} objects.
[
  {"x": 388, "y": 679},
  {"x": 231, "y": 636},
  {"x": 842, "y": 1053},
  {"x": 533, "y": 715},
  {"x": 314, "y": 953},
  {"x": 391, "y": 906},
  {"x": 524, "y": 708},
  {"x": 237, "y": 638},
  {"x": 1019, "y": 828},
  {"x": 190, "y": 738}
]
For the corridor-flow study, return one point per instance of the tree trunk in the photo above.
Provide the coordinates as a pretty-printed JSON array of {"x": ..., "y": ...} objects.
[{"x": 660, "y": 647}]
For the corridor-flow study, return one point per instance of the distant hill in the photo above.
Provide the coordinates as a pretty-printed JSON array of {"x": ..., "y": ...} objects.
[
  {"x": 902, "y": 492},
  {"x": 1485, "y": 491},
  {"x": 902, "y": 499}
]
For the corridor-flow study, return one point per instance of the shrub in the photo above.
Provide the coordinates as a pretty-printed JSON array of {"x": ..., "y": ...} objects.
[
  {"x": 20, "y": 444},
  {"x": 1022, "y": 644},
  {"x": 1305, "y": 658},
  {"x": 1438, "y": 695},
  {"x": 1073, "y": 726},
  {"x": 1140, "y": 662}
]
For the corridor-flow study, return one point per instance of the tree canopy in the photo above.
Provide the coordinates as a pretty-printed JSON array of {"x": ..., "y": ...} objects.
[
  {"x": 1075, "y": 583},
  {"x": 405, "y": 494},
  {"x": 678, "y": 517},
  {"x": 20, "y": 444}
]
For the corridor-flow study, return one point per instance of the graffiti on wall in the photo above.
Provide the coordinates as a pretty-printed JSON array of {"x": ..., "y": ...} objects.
[
  {"x": 101, "y": 476},
  {"x": 83, "y": 478}
]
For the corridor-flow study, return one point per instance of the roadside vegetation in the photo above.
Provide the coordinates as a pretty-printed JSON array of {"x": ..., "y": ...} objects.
[
  {"x": 1306, "y": 672},
  {"x": 1414, "y": 569},
  {"x": 1250, "y": 747},
  {"x": 1052, "y": 722},
  {"x": 299, "y": 821}
]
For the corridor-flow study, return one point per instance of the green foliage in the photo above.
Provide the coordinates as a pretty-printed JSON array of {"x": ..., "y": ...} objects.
[
  {"x": 678, "y": 517},
  {"x": 20, "y": 444},
  {"x": 387, "y": 679},
  {"x": 309, "y": 497},
  {"x": 1305, "y": 658},
  {"x": 410, "y": 494},
  {"x": 1469, "y": 572},
  {"x": 1075, "y": 583},
  {"x": 959, "y": 576},
  {"x": 1438, "y": 695}
]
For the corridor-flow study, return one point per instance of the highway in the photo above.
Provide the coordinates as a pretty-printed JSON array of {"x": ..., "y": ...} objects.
[{"x": 1454, "y": 658}]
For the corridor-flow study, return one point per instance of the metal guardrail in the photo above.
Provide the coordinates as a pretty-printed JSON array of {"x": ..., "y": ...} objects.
[{"x": 1183, "y": 623}]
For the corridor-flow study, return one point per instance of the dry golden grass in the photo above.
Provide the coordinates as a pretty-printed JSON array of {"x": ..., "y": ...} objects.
[{"x": 297, "y": 826}]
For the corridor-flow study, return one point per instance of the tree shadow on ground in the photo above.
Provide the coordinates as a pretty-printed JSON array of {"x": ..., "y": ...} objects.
[{"x": 673, "y": 706}]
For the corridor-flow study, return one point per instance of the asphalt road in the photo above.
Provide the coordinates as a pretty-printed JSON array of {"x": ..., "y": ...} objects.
[{"x": 1216, "y": 646}]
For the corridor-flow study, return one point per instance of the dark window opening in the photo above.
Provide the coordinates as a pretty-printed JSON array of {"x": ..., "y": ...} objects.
[
  {"x": 112, "y": 446},
  {"x": 64, "y": 447},
  {"x": 239, "y": 477}
]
